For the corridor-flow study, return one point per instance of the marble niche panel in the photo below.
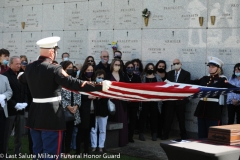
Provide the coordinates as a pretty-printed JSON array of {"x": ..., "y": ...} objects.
[
  {"x": 31, "y": 2},
  {"x": 76, "y": 16},
  {"x": 224, "y": 44},
  {"x": 129, "y": 43},
  {"x": 29, "y": 47},
  {"x": 32, "y": 16},
  {"x": 100, "y": 40},
  {"x": 167, "y": 44},
  {"x": 46, "y": 34},
  {"x": 12, "y": 42},
  {"x": 225, "y": 12},
  {"x": 13, "y": 18},
  {"x": 53, "y": 1},
  {"x": 176, "y": 14},
  {"x": 75, "y": 43},
  {"x": 1, "y": 45},
  {"x": 12, "y": 3},
  {"x": 53, "y": 17},
  {"x": 1, "y": 3},
  {"x": 1, "y": 19},
  {"x": 101, "y": 14},
  {"x": 74, "y": 1},
  {"x": 127, "y": 14}
]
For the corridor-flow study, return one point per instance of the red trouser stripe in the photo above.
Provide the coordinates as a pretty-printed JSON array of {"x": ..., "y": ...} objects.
[{"x": 59, "y": 142}]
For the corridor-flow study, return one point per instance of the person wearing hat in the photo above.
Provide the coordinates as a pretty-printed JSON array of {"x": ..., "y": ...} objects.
[
  {"x": 208, "y": 111},
  {"x": 46, "y": 118}
]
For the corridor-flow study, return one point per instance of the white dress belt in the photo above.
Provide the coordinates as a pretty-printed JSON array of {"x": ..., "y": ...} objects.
[
  {"x": 46, "y": 100},
  {"x": 209, "y": 99}
]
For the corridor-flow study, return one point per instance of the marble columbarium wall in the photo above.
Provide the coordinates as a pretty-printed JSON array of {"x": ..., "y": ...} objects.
[{"x": 87, "y": 27}]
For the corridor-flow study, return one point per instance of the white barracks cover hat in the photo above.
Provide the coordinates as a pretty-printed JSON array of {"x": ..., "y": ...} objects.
[
  {"x": 49, "y": 42},
  {"x": 215, "y": 61}
]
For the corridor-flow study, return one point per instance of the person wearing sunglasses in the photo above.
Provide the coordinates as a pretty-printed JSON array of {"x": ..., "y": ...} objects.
[
  {"x": 132, "y": 107},
  {"x": 101, "y": 117},
  {"x": 90, "y": 60},
  {"x": 177, "y": 107}
]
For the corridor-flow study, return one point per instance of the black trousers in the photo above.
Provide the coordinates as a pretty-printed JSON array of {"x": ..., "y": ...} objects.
[
  {"x": 232, "y": 110},
  {"x": 2, "y": 126},
  {"x": 83, "y": 135},
  {"x": 67, "y": 137},
  {"x": 132, "y": 118},
  {"x": 152, "y": 109},
  {"x": 170, "y": 110},
  {"x": 161, "y": 120}
]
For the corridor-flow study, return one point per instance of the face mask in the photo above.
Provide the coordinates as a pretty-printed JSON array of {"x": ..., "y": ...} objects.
[
  {"x": 136, "y": 68},
  {"x": 150, "y": 71},
  {"x": 116, "y": 68},
  {"x": 117, "y": 57},
  {"x": 103, "y": 61},
  {"x": 177, "y": 66},
  {"x": 65, "y": 58},
  {"x": 129, "y": 70},
  {"x": 88, "y": 74},
  {"x": 237, "y": 74},
  {"x": 161, "y": 70},
  {"x": 5, "y": 62},
  {"x": 98, "y": 80},
  {"x": 70, "y": 71}
]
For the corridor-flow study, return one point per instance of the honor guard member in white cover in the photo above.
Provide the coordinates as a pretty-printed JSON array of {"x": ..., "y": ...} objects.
[
  {"x": 46, "y": 118},
  {"x": 208, "y": 110}
]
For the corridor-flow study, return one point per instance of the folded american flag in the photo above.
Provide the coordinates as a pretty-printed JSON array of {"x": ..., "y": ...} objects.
[{"x": 159, "y": 91}]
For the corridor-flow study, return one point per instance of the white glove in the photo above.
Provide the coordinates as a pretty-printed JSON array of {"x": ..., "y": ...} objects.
[
  {"x": 3, "y": 103},
  {"x": 106, "y": 85},
  {"x": 19, "y": 74},
  {"x": 18, "y": 106},
  {"x": 2, "y": 97},
  {"x": 24, "y": 105}
]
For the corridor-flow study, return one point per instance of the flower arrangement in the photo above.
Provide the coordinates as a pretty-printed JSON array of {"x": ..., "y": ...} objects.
[
  {"x": 114, "y": 45},
  {"x": 146, "y": 14}
]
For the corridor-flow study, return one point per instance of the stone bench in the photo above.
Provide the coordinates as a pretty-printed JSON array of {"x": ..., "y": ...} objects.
[{"x": 112, "y": 135}]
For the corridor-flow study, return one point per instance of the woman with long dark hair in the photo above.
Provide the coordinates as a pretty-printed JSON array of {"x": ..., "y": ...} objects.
[
  {"x": 86, "y": 112},
  {"x": 90, "y": 60},
  {"x": 151, "y": 107},
  {"x": 71, "y": 101},
  {"x": 132, "y": 107}
]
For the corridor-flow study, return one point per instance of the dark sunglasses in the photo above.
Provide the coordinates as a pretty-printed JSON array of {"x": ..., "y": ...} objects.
[
  {"x": 90, "y": 60},
  {"x": 175, "y": 63},
  {"x": 129, "y": 67}
]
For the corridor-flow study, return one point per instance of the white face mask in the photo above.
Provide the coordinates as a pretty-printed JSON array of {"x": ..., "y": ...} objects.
[
  {"x": 177, "y": 66},
  {"x": 65, "y": 58}
]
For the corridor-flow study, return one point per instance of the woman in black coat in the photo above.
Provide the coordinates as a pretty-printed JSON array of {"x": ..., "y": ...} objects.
[
  {"x": 132, "y": 107},
  {"x": 86, "y": 108}
]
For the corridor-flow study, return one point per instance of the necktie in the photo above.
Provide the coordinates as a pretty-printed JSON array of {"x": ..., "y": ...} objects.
[{"x": 175, "y": 76}]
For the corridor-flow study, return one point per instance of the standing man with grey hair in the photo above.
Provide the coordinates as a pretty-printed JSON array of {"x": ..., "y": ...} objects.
[
  {"x": 103, "y": 64},
  {"x": 16, "y": 105},
  {"x": 5, "y": 95},
  {"x": 177, "y": 75},
  {"x": 46, "y": 118}
]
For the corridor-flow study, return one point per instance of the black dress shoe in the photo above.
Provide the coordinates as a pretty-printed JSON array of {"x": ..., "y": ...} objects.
[
  {"x": 141, "y": 137},
  {"x": 154, "y": 137}
]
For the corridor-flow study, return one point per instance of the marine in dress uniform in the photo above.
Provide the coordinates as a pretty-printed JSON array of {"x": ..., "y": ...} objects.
[
  {"x": 46, "y": 117},
  {"x": 208, "y": 110}
]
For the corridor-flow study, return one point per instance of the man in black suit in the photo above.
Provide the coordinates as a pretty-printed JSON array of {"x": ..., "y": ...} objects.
[
  {"x": 177, "y": 75},
  {"x": 16, "y": 106}
]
